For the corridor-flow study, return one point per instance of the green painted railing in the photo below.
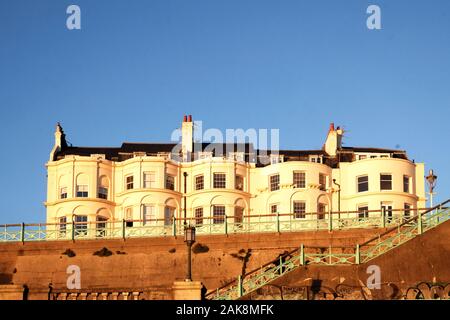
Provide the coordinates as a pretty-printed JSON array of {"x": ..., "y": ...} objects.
[
  {"x": 281, "y": 223},
  {"x": 361, "y": 253}
]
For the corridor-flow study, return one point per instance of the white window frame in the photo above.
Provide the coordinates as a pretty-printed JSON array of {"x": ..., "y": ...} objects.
[{"x": 149, "y": 180}]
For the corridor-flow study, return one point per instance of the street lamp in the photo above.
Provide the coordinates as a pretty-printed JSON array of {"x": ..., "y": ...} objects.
[
  {"x": 431, "y": 179},
  {"x": 189, "y": 238}
]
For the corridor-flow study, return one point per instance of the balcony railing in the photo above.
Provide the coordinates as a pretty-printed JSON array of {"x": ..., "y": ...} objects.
[{"x": 281, "y": 223}]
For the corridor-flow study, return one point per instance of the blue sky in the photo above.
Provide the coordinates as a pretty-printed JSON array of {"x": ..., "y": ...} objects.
[{"x": 136, "y": 67}]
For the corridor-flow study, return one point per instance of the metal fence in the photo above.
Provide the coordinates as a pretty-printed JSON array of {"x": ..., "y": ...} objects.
[{"x": 281, "y": 223}]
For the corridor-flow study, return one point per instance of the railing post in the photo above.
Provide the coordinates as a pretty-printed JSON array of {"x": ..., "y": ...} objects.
[
  {"x": 123, "y": 228},
  {"x": 302, "y": 254},
  {"x": 281, "y": 265},
  {"x": 419, "y": 224},
  {"x": 174, "y": 227},
  {"x": 22, "y": 232},
  {"x": 383, "y": 217},
  {"x": 226, "y": 224},
  {"x": 330, "y": 221},
  {"x": 357, "y": 255},
  {"x": 72, "y": 233},
  {"x": 329, "y": 256},
  {"x": 240, "y": 289},
  {"x": 278, "y": 222}
]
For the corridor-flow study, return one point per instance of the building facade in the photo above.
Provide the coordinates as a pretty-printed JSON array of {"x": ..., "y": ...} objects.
[{"x": 145, "y": 184}]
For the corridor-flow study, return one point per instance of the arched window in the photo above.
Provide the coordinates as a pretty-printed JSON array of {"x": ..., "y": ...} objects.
[
  {"x": 103, "y": 187},
  {"x": 82, "y": 186}
]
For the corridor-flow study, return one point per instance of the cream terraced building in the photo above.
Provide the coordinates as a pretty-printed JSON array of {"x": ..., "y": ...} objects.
[{"x": 153, "y": 184}]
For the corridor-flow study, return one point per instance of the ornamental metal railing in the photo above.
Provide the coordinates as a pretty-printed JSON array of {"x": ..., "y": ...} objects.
[
  {"x": 328, "y": 256},
  {"x": 281, "y": 223}
]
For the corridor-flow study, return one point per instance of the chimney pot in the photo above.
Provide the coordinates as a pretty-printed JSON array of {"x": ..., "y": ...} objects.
[
  {"x": 332, "y": 126},
  {"x": 185, "y": 118},
  {"x": 190, "y": 118}
]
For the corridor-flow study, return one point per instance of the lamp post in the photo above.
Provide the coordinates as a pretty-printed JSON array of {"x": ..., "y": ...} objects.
[
  {"x": 431, "y": 179},
  {"x": 185, "y": 174},
  {"x": 189, "y": 238}
]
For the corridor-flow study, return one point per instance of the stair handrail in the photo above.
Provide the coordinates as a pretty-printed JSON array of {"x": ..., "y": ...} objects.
[{"x": 439, "y": 206}]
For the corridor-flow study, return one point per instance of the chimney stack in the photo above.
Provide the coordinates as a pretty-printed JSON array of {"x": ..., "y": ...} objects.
[
  {"x": 187, "y": 137},
  {"x": 334, "y": 140}
]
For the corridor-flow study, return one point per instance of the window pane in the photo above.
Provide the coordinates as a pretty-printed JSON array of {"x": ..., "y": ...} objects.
[
  {"x": 321, "y": 211},
  {"x": 103, "y": 193},
  {"x": 407, "y": 210},
  {"x": 239, "y": 183},
  {"x": 170, "y": 182},
  {"x": 299, "y": 179},
  {"x": 82, "y": 191},
  {"x": 363, "y": 212},
  {"x": 149, "y": 180},
  {"x": 238, "y": 214},
  {"x": 198, "y": 216},
  {"x": 363, "y": 183},
  {"x": 299, "y": 209},
  {"x": 199, "y": 182},
  {"x": 275, "y": 182},
  {"x": 149, "y": 216},
  {"x": 406, "y": 184},
  {"x": 274, "y": 208},
  {"x": 386, "y": 182},
  {"x": 129, "y": 182},
  {"x": 218, "y": 214},
  {"x": 219, "y": 180},
  {"x": 323, "y": 181},
  {"x": 169, "y": 213},
  {"x": 81, "y": 225}
]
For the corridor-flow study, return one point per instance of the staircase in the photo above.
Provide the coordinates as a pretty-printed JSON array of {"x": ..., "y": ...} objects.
[{"x": 361, "y": 253}]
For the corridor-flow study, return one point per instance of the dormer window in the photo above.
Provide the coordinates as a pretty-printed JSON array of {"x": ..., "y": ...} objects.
[
  {"x": 204, "y": 155},
  {"x": 276, "y": 158},
  {"x": 237, "y": 156},
  {"x": 315, "y": 159}
]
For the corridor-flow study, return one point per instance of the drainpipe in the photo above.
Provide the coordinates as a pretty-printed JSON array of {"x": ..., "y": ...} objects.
[
  {"x": 339, "y": 198},
  {"x": 185, "y": 191}
]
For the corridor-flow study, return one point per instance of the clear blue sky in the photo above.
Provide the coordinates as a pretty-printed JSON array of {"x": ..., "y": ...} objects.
[{"x": 137, "y": 66}]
